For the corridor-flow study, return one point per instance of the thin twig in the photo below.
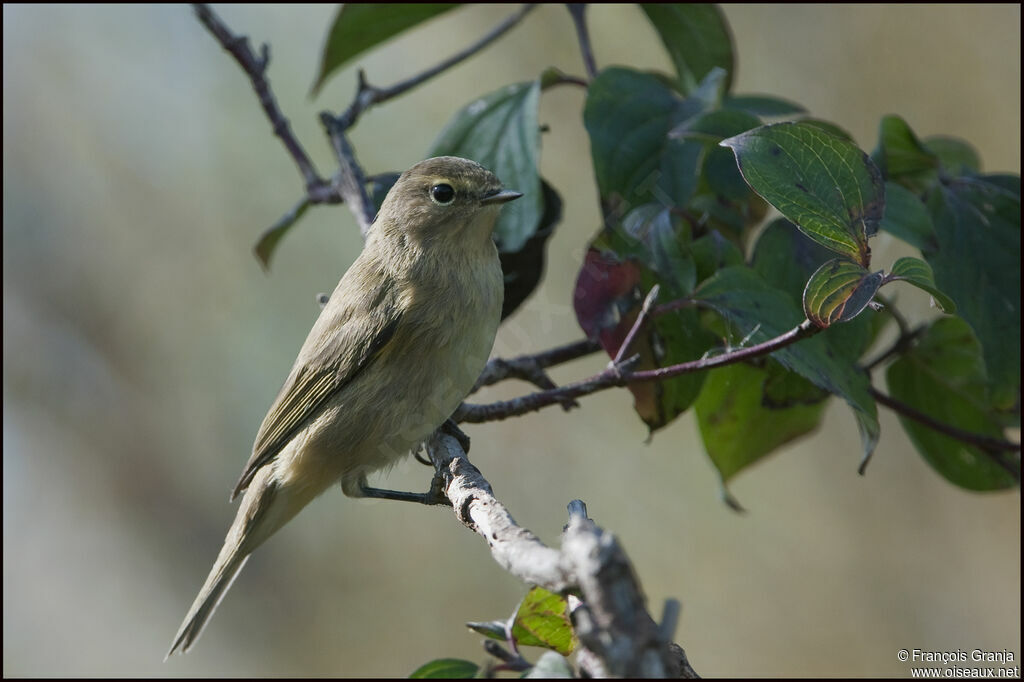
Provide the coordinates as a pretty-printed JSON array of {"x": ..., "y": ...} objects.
[
  {"x": 578, "y": 10},
  {"x": 525, "y": 366},
  {"x": 368, "y": 95},
  {"x": 901, "y": 321},
  {"x": 256, "y": 67},
  {"x": 993, "y": 447},
  {"x": 900, "y": 345},
  {"x": 531, "y": 367},
  {"x": 350, "y": 180},
  {"x": 645, "y": 311},
  {"x": 617, "y": 376}
]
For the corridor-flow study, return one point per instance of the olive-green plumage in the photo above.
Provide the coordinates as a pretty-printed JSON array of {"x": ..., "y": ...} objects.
[{"x": 398, "y": 346}]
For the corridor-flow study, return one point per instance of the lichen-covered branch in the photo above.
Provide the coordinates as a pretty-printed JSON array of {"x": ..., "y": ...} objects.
[{"x": 610, "y": 617}]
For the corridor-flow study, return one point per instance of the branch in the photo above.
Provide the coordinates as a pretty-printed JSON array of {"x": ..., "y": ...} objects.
[
  {"x": 350, "y": 181},
  {"x": 900, "y": 345},
  {"x": 617, "y": 375},
  {"x": 645, "y": 311},
  {"x": 615, "y": 630},
  {"x": 578, "y": 10},
  {"x": 531, "y": 367},
  {"x": 348, "y": 185},
  {"x": 256, "y": 67},
  {"x": 993, "y": 447},
  {"x": 368, "y": 95}
]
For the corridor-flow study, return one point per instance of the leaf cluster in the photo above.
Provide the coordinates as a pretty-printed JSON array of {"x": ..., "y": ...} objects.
[
  {"x": 686, "y": 171},
  {"x": 752, "y": 218}
]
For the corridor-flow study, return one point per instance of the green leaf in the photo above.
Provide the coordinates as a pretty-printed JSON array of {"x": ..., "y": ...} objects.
[
  {"x": 543, "y": 620},
  {"x": 740, "y": 425},
  {"x": 524, "y": 268},
  {"x": 664, "y": 249},
  {"x": 786, "y": 259},
  {"x": 500, "y": 131},
  {"x": 760, "y": 312},
  {"x": 827, "y": 186},
  {"x": 446, "y": 668},
  {"x": 268, "y": 241},
  {"x": 838, "y": 291},
  {"x": 762, "y": 105},
  {"x": 977, "y": 224},
  {"x": 628, "y": 116},
  {"x": 697, "y": 39},
  {"x": 713, "y": 252},
  {"x": 710, "y": 91},
  {"x": 956, "y": 156},
  {"x": 943, "y": 376},
  {"x": 495, "y": 629},
  {"x": 901, "y": 156},
  {"x": 915, "y": 271},
  {"x": 907, "y": 217},
  {"x": 828, "y": 127},
  {"x": 358, "y": 27},
  {"x": 719, "y": 167},
  {"x": 713, "y": 126}
]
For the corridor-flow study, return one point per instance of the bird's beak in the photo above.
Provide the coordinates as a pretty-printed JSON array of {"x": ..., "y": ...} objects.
[{"x": 500, "y": 196}]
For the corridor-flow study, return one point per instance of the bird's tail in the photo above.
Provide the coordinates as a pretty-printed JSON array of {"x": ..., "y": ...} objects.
[
  {"x": 217, "y": 583},
  {"x": 262, "y": 512}
]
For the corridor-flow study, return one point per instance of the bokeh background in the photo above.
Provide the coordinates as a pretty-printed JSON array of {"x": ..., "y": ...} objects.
[{"x": 143, "y": 344}]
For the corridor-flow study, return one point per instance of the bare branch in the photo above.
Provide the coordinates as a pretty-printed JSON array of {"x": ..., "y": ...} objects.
[
  {"x": 578, "y": 11},
  {"x": 616, "y": 376},
  {"x": 993, "y": 447},
  {"x": 368, "y": 95},
  {"x": 525, "y": 366},
  {"x": 516, "y": 549},
  {"x": 350, "y": 180},
  {"x": 256, "y": 68},
  {"x": 611, "y": 618},
  {"x": 645, "y": 311},
  {"x": 900, "y": 345},
  {"x": 612, "y": 622}
]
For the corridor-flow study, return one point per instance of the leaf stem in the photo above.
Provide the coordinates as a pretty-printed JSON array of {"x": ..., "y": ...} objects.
[
  {"x": 993, "y": 447},
  {"x": 578, "y": 10},
  {"x": 900, "y": 345}
]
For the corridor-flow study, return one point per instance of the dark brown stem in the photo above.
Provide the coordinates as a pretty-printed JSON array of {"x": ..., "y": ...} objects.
[
  {"x": 368, "y": 95},
  {"x": 578, "y": 11},
  {"x": 890, "y": 308},
  {"x": 525, "y": 366},
  {"x": 617, "y": 376},
  {"x": 350, "y": 180},
  {"x": 900, "y": 345},
  {"x": 256, "y": 68},
  {"x": 993, "y": 447}
]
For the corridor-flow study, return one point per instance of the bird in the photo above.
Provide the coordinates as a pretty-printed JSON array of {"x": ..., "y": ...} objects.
[{"x": 397, "y": 347}]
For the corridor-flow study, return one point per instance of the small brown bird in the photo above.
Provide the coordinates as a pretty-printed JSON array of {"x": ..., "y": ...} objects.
[{"x": 398, "y": 346}]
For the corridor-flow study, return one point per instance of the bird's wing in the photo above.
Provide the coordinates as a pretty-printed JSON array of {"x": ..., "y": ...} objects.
[{"x": 357, "y": 334}]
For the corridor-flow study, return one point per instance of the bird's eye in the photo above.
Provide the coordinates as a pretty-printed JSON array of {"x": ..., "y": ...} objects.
[{"x": 442, "y": 194}]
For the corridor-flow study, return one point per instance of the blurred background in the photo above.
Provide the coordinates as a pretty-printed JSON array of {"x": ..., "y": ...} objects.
[{"x": 143, "y": 344}]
